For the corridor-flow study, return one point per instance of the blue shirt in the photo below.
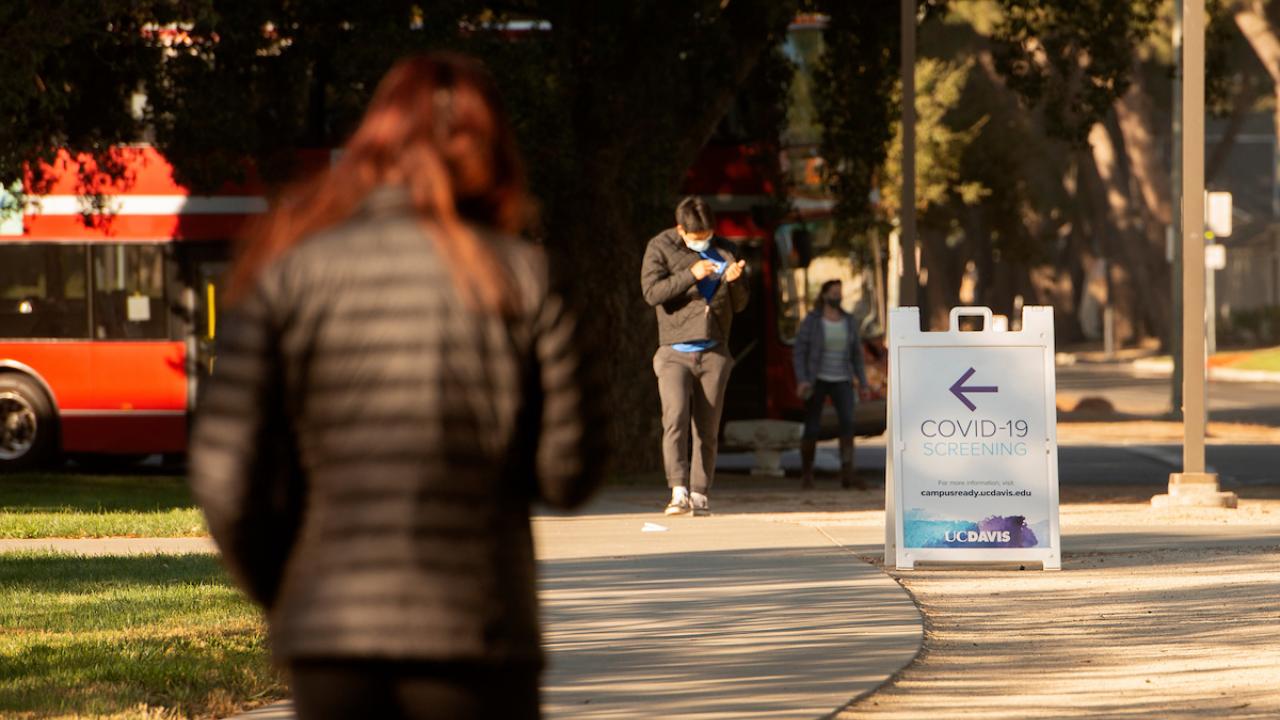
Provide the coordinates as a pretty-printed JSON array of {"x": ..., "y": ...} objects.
[{"x": 707, "y": 286}]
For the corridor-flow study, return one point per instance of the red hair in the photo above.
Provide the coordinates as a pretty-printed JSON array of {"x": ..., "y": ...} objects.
[{"x": 436, "y": 127}]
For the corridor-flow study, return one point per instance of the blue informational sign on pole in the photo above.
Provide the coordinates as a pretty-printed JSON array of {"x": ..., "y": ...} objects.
[{"x": 973, "y": 454}]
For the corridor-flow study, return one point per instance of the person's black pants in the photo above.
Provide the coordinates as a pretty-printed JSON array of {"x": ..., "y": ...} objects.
[
  {"x": 841, "y": 394},
  {"x": 334, "y": 689}
]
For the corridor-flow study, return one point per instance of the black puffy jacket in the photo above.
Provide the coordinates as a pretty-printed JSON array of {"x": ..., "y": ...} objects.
[{"x": 367, "y": 449}]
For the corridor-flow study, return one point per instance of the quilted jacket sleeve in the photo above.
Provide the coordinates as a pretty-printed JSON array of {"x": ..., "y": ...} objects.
[{"x": 242, "y": 467}]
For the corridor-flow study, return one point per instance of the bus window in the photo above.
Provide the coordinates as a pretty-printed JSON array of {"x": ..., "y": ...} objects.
[
  {"x": 807, "y": 258},
  {"x": 42, "y": 291},
  {"x": 128, "y": 293}
]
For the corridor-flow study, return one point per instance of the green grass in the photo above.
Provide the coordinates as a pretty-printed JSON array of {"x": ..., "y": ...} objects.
[
  {"x": 43, "y": 505},
  {"x": 156, "y": 636},
  {"x": 1268, "y": 359}
]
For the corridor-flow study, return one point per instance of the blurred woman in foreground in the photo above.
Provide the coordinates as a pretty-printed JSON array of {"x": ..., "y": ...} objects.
[{"x": 396, "y": 382}]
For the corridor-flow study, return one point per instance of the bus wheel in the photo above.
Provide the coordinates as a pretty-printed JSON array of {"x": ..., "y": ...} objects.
[{"x": 26, "y": 424}]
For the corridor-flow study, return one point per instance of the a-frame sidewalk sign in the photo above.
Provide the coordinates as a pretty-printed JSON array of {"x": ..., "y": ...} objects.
[{"x": 972, "y": 442}]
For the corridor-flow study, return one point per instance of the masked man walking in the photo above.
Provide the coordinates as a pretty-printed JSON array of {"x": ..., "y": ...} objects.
[{"x": 693, "y": 280}]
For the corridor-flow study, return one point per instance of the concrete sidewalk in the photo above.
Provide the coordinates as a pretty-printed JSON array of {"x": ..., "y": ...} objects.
[
  {"x": 764, "y": 611},
  {"x": 710, "y": 617},
  {"x": 715, "y": 617}
]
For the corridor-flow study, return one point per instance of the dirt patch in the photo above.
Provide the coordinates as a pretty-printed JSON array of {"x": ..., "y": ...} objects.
[
  {"x": 1168, "y": 634},
  {"x": 1090, "y": 405}
]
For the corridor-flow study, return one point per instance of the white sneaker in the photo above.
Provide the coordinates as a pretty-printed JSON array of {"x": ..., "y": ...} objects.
[
  {"x": 700, "y": 504},
  {"x": 679, "y": 504}
]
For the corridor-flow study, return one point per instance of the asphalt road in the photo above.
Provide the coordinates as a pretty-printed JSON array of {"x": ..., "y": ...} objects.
[
  {"x": 1236, "y": 465},
  {"x": 1111, "y": 464}
]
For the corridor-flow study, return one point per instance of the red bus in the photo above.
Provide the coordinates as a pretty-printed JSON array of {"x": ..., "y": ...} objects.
[{"x": 106, "y": 319}]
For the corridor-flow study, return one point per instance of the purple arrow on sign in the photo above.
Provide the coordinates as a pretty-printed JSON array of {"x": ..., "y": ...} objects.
[{"x": 959, "y": 389}]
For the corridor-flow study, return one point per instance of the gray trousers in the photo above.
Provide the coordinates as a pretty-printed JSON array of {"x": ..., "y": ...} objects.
[{"x": 691, "y": 386}]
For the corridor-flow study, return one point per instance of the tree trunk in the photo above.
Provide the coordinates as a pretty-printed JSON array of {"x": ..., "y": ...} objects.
[
  {"x": 599, "y": 250},
  {"x": 1054, "y": 280},
  {"x": 1222, "y": 149},
  {"x": 1136, "y": 118},
  {"x": 1251, "y": 18},
  {"x": 1109, "y": 204},
  {"x": 996, "y": 278},
  {"x": 945, "y": 268}
]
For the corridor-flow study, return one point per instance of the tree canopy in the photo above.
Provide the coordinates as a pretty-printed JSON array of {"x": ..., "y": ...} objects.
[
  {"x": 611, "y": 102},
  {"x": 1073, "y": 57}
]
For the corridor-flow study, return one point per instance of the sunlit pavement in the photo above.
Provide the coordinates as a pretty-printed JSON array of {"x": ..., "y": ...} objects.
[
  {"x": 712, "y": 617},
  {"x": 708, "y": 617}
]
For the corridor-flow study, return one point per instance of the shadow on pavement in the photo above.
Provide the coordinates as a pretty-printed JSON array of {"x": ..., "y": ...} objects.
[{"x": 742, "y": 633}]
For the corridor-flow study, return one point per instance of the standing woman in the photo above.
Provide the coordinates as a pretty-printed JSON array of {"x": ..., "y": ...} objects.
[
  {"x": 396, "y": 383},
  {"x": 827, "y": 358}
]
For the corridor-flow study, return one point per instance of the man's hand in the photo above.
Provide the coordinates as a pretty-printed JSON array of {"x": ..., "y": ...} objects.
[
  {"x": 702, "y": 269},
  {"x": 804, "y": 390},
  {"x": 734, "y": 271}
]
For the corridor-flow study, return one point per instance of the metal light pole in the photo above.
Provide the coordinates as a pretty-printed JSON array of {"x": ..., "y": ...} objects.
[
  {"x": 908, "y": 293},
  {"x": 1193, "y": 486}
]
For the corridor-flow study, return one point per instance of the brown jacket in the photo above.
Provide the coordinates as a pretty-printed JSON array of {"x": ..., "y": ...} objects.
[{"x": 367, "y": 449}]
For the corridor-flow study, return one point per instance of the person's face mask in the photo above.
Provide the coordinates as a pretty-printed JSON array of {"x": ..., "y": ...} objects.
[{"x": 697, "y": 244}]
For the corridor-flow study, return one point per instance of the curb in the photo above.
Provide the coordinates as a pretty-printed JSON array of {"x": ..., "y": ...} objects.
[
  {"x": 279, "y": 710},
  {"x": 1164, "y": 368},
  {"x": 119, "y": 546},
  {"x": 1121, "y": 357},
  {"x": 1167, "y": 455}
]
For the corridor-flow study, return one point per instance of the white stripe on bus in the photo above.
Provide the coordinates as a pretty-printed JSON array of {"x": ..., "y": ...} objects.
[{"x": 151, "y": 205}]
